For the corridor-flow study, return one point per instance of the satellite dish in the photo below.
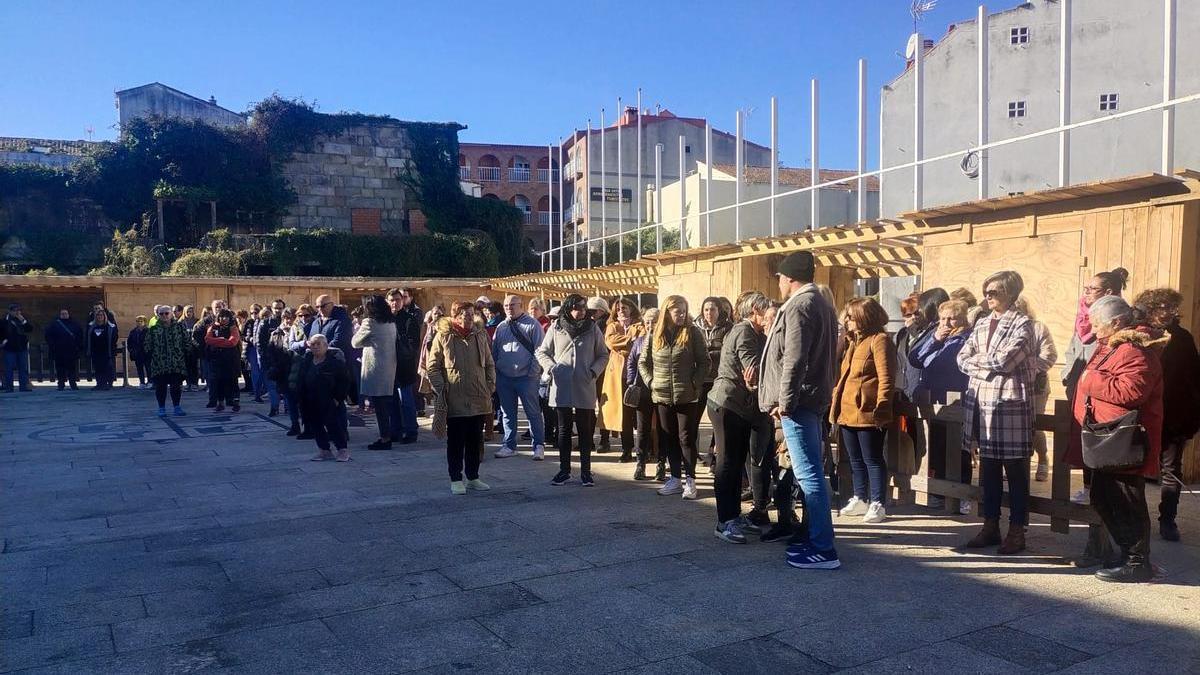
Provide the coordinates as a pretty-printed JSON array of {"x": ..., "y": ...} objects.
[{"x": 910, "y": 50}]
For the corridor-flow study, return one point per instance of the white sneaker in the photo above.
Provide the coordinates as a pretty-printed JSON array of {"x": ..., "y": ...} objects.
[
  {"x": 1082, "y": 496},
  {"x": 505, "y": 451},
  {"x": 964, "y": 507},
  {"x": 539, "y": 453},
  {"x": 689, "y": 489},
  {"x": 672, "y": 487},
  {"x": 875, "y": 513},
  {"x": 854, "y": 507}
]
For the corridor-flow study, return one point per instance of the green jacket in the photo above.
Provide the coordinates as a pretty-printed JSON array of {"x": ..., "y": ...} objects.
[
  {"x": 675, "y": 374},
  {"x": 461, "y": 371},
  {"x": 168, "y": 347}
]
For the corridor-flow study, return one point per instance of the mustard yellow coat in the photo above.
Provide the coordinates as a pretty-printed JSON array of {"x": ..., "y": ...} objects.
[{"x": 612, "y": 391}]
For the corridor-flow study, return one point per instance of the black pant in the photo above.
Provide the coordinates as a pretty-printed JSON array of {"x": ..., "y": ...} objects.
[
  {"x": 584, "y": 421},
  {"x": 991, "y": 479},
  {"x": 143, "y": 371},
  {"x": 712, "y": 439},
  {"x": 224, "y": 389},
  {"x": 647, "y": 428},
  {"x": 1171, "y": 468},
  {"x": 325, "y": 422},
  {"x": 551, "y": 419},
  {"x": 67, "y": 370},
  {"x": 162, "y": 382},
  {"x": 680, "y": 424},
  {"x": 1120, "y": 501},
  {"x": 383, "y": 416},
  {"x": 464, "y": 435},
  {"x": 628, "y": 424},
  {"x": 733, "y": 434},
  {"x": 102, "y": 368},
  {"x": 193, "y": 369}
]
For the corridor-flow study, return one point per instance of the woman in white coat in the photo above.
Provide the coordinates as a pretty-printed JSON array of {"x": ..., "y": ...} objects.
[{"x": 376, "y": 337}]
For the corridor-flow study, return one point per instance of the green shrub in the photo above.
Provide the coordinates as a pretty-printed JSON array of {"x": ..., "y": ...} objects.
[
  {"x": 196, "y": 263},
  {"x": 329, "y": 253},
  {"x": 125, "y": 256}
]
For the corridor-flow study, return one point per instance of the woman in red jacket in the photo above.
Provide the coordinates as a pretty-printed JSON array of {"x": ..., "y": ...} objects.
[{"x": 1123, "y": 374}]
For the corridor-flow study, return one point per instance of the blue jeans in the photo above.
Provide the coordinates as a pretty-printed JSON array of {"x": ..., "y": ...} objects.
[
  {"x": 293, "y": 406},
  {"x": 509, "y": 389},
  {"x": 404, "y": 412},
  {"x": 273, "y": 393},
  {"x": 16, "y": 363},
  {"x": 257, "y": 385},
  {"x": 864, "y": 446},
  {"x": 802, "y": 432}
]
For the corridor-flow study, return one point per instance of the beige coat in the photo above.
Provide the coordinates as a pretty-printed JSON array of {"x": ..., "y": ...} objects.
[
  {"x": 377, "y": 340},
  {"x": 461, "y": 371},
  {"x": 619, "y": 341}
]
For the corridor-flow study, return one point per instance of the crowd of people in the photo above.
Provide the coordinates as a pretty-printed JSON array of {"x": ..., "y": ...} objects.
[{"x": 777, "y": 380}]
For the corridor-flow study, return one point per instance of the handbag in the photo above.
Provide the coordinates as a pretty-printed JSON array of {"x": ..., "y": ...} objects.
[
  {"x": 632, "y": 398},
  {"x": 1116, "y": 445}
]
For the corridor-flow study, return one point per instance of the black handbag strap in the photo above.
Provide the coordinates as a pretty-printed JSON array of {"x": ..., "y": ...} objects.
[{"x": 515, "y": 329}]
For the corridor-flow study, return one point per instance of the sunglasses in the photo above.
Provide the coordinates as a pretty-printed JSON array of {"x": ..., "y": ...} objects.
[{"x": 993, "y": 294}]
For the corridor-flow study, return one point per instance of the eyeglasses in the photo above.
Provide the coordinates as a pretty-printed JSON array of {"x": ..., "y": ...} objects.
[{"x": 993, "y": 293}]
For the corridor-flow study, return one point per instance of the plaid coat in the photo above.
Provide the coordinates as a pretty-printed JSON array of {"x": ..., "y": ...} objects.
[{"x": 998, "y": 403}]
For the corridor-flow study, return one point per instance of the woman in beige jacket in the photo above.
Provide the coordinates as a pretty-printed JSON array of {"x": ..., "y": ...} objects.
[
  {"x": 462, "y": 375},
  {"x": 862, "y": 405}
]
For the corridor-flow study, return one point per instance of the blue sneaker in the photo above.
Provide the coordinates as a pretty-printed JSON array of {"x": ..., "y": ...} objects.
[
  {"x": 162, "y": 412},
  {"x": 812, "y": 559},
  {"x": 179, "y": 411}
]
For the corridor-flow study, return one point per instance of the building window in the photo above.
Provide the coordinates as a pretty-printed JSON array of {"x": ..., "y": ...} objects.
[
  {"x": 1018, "y": 35},
  {"x": 1016, "y": 109},
  {"x": 1108, "y": 102},
  {"x": 687, "y": 149}
]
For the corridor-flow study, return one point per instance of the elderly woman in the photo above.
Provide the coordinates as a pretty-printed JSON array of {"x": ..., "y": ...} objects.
[
  {"x": 1122, "y": 375},
  {"x": 862, "y": 406},
  {"x": 648, "y": 428},
  {"x": 936, "y": 361},
  {"x": 741, "y": 430},
  {"x": 324, "y": 381},
  {"x": 166, "y": 345},
  {"x": 376, "y": 337},
  {"x": 623, "y": 329},
  {"x": 1181, "y": 397},
  {"x": 223, "y": 342},
  {"x": 674, "y": 366},
  {"x": 1000, "y": 363},
  {"x": 1047, "y": 355},
  {"x": 537, "y": 309},
  {"x": 462, "y": 377},
  {"x": 573, "y": 356}
]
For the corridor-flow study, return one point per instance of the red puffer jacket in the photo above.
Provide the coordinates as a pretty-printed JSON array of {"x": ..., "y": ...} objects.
[{"x": 1131, "y": 379}]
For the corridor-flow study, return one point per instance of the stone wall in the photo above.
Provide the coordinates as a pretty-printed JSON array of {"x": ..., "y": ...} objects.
[{"x": 354, "y": 173}]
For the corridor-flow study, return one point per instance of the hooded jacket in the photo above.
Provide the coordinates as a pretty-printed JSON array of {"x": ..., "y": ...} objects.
[
  {"x": 461, "y": 370},
  {"x": 573, "y": 364},
  {"x": 1130, "y": 379}
]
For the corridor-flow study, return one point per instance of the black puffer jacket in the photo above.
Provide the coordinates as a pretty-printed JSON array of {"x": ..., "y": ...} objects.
[
  {"x": 1181, "y": 386},
  {"x": 714, "y": 336}
]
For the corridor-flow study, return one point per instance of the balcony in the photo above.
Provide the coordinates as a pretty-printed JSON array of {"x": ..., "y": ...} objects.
[
  {"x": 488, "y": 174},
  {"x": 527, "y": 217},
  {"x": 547, "y": 175},
  {"x": 464, "y": 172},
  {"x": 547, "y": 218},
  {"x": 519, "y": 174}
]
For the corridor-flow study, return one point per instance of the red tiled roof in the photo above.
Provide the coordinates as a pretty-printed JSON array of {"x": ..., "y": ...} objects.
[{"x": 793, "y": 177}]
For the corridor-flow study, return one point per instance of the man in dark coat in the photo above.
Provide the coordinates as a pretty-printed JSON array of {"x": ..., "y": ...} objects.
[
  {"x": 408, "y": 318},
  {"x": 64, "y": 339},
  {"x": 334, "y": 323},
  {"x": 14, "y": 342}
]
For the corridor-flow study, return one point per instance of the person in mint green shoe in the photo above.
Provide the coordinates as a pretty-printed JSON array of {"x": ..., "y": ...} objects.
[{"x": 166, "y": 346}]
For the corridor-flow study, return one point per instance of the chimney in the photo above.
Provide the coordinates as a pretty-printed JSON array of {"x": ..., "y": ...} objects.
[
  {"x": 212, "y": 100},
  {"x": 630, "y": 115}
]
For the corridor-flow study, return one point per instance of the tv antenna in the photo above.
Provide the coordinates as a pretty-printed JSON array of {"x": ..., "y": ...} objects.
[
  {"x": 918, "y": 9},
  {"x": 90, "y": 131}
]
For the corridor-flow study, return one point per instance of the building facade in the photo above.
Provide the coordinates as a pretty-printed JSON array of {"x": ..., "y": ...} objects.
[
  {"x": 520, "y": 175},
  {"x": 602, "y": 187},
  {"x": 1115, "y": 64},
  {"x": 159, "y": 100},
  {"x": 51, "y": 153},
  {"x": 837, "y": 204}
]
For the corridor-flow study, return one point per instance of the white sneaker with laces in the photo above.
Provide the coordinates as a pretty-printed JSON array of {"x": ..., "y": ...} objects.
[
  {"x": 1082, "y": 496},
  {"x": 689, "y": 489},
  {"x": 505, "y": 451},
  {"x": 539, "y": 453},
  {"x": 672, "y": 487},
  {"x": 875, "y": 513},
  {"x": 854, "y": 507}
]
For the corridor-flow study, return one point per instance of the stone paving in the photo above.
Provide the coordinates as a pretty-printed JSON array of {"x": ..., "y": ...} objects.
[{"x": 209, "y": 542}]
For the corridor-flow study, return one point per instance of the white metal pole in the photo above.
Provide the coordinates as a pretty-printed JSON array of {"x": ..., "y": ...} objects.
[
  {"x": 708, "y": 169},
  {"x": 1064, "y": 92},
  {"x": 640, "y": 187},
  {"x": 918, "y": 120},
  {"x": 561, "y": 208},
  {"x": 862, "y": 140},
  {"x": 774, "y": 159},
  {"x": 683, "y": 194},
  {"x": 815, "y": 220},
  {"x": 658, "y": 151},
  {"x": 550, "y": 203},
  {"x": 882, "y": 175},
  {"x": 603, "y": 195},
  {"x": 982, "y": 104},
  {"x": 738, "y": 159},
  {"x": 620, "y": 186},
  {"x": 1168, "y": 112},
  {"x": 587, "y": 193}
]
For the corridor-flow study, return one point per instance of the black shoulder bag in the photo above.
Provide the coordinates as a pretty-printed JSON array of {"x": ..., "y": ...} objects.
[{"x": 1116, "y": 445}]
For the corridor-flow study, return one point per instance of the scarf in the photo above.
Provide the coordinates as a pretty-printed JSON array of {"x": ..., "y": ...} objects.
[
  {"x": 462, "y": 331},
  {"x": 1083, "y": 323},
  {"x": 574, "y": 328}
]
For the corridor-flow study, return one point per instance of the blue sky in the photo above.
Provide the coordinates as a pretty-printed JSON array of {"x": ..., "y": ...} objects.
[{"x": 519, "y": 72}]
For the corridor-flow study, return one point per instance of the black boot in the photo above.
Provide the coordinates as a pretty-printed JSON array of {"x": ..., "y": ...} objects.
[
  {"x": 660, "y": 474},
  {"x": 639, "y": 472},
  {"x": 1168, "y": 530},
  {"x": 626, "y": 456},
  {"x": 1129, "y": 573}
]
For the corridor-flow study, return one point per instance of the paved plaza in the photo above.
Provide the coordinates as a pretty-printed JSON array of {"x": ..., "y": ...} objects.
[{"x": 211, "y": 543}]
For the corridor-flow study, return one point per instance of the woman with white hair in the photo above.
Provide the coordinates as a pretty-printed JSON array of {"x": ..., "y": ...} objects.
[
  {"x": 167, "y": 345},
  {"x": 324, "y": 382},
  {"x": 1122, "y": 376},
  {"x": 1000, "y": 362}
]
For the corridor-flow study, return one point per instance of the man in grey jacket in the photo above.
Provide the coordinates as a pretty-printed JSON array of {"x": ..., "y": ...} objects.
[
  {"x": 517, "y": 375},
  {"x": 796, "y": 388}
]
